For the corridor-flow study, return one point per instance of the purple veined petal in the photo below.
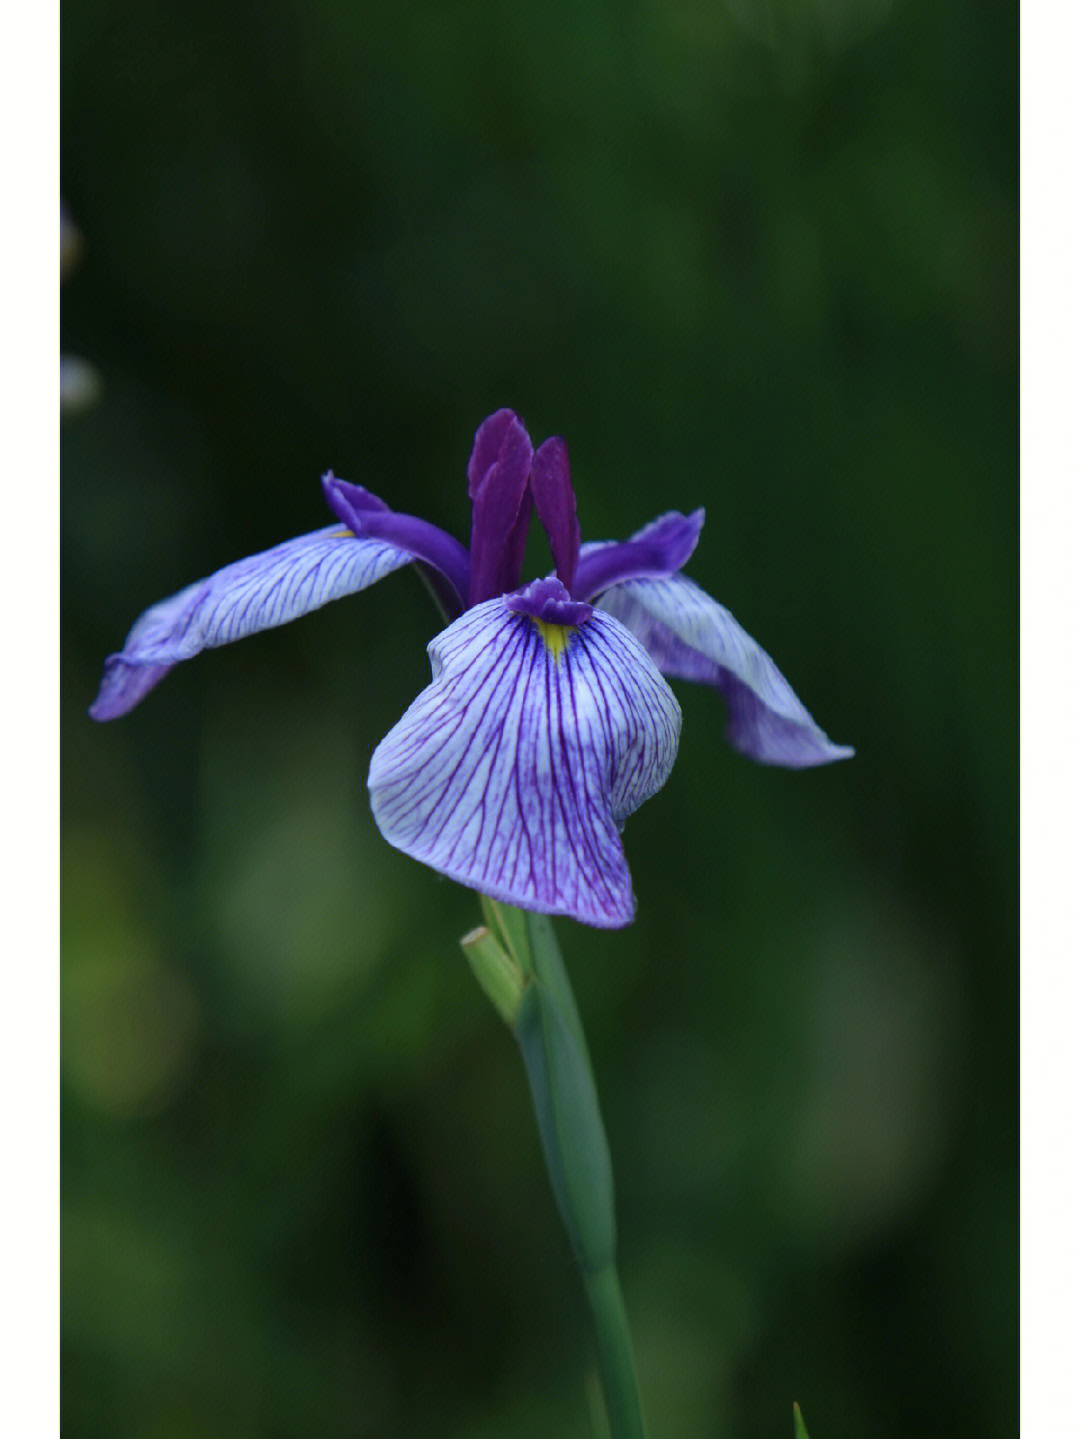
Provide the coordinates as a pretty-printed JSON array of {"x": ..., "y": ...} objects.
[
  {"x": 372, "y": 519},
  {"x": 556, "y": 506},
  {"x": 514, "y": 771},
  {"x": 502, "y": 506},
  {"x": 660, "y": 549},
  {"x": 257, "y": 593},
  {"x": 690, "y": 636}
]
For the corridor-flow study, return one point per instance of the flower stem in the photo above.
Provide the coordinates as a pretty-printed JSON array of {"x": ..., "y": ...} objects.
[
  {"x": 616, "y": 1353},
  {"x": 545, "y": 1022}
]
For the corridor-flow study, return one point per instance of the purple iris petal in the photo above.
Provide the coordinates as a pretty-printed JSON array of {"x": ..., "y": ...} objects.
[
  {"x": 515, "y": 769},
  {"x": 371, "y": 519},
  {"x": 499, "y": 487},
  {"x": 254, "y": 594},
  {"x": 660, "y": 549},
  {"x": 691, "y": 637},
  {"x": 550, "y": 601},
  {"x": 556, "y": 506},
  {"x": 487, "y": 444},
  {"x": 349, "y": 502}
]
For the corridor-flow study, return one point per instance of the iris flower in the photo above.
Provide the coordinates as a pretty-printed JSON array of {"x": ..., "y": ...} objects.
[{"x": 548, "y": 720}]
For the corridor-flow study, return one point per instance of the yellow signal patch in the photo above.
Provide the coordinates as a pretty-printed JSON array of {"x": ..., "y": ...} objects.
[{"x": 554, "y": 636}]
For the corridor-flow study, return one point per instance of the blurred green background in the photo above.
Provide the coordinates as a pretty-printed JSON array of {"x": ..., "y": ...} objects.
[{"x": 757, "y": 255}]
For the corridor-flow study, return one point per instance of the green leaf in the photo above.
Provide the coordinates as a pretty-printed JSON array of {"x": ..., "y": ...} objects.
[{"x": 800, "y": 1427}]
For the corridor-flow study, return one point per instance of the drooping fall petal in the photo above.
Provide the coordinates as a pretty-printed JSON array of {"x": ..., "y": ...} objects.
[
  {"x": 253, "y": 594},
  {"x": 514, "y": 771},
  {"x": 690, "y": 636}
]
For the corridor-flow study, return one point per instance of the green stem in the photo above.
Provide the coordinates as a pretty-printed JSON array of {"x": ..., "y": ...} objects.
[
  {"x": 539, "y": 1006},
  {"x": 616, "y": 1354}
]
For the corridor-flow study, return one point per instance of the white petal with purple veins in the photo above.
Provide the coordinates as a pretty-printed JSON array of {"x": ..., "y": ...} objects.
[
  {"x": 691, "y": 637},
  {"x": 515, "y": 769},
  {"x": 253, "y": 594}
]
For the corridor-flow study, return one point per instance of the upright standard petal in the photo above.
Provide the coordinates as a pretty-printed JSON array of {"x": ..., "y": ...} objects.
[
  {"x": 691, "y": 637},
  {"x": 514, "y": 771},
  {"x": 501, "y": 505},
  {"x": 556, "y": 506},
  {"x": 254, "y": 594}
]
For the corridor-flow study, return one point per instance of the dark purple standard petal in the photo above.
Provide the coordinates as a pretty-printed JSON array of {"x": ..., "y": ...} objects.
[
  {"x": 370, "y": 518},
  {"x": 659, "y": 550},
  {"x": 556, "y": 506},
  {"x": 501, "y": 507},
  {"x": 487, "y": 444}
]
